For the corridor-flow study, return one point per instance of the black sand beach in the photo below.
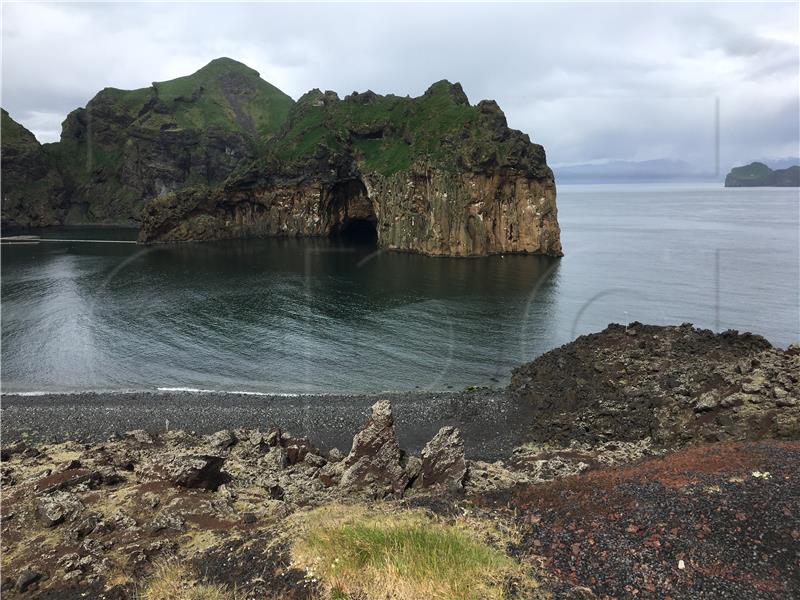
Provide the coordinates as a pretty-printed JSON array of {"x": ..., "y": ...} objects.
[{"x": 489, "y": 420}]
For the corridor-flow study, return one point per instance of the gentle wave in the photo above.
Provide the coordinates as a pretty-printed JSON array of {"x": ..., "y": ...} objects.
[
  {"x": 190, "y": 390},
  {"x": 242, "y": 392}
]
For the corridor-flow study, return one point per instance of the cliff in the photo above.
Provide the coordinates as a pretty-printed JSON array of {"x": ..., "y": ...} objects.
[
  {"x": 431, "y": 174},
  {"x": 223, "y": 154},
  {"x": 127, "y": 147},
  {"x": 760, "y": 175},
  {"x": 32, "y": 189}
]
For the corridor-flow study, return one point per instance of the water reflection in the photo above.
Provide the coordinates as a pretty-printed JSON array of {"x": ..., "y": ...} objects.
[{"x": 319, "y": 315}]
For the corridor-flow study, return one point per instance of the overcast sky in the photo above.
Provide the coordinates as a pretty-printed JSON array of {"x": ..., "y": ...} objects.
[{"x": 589, "y": 82}]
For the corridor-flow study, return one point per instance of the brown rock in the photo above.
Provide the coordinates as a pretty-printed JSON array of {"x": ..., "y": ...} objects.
[
  {"x": 374, "y": 462},
  {"x": 443, "y": 460}
]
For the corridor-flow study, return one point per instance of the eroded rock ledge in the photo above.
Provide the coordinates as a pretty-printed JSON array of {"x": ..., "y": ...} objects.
[{"x": 432, "y": 175}]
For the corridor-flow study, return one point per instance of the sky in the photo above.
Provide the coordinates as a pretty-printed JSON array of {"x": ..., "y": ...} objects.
[{"x": 590, "y": 82}]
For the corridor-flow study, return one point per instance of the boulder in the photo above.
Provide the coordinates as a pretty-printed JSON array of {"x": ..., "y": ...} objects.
[
  {"x": 167, "y": 520},
  {"x": 273, "y": 437},
  {"x": 443, "y": 461},
  {"x": 221, "y": 440},
  {"x": 190, "y": 471},
  {"x": 10, "y": 450},
  {"x": 483, "y": 477},
  {"x": 374, "y": 463},
  {"x": 139, "y": 436},
  {"x": 69, "y": 479},
  {"x": 58, "y": 507},
  {"x": 85, "y": 527},
  {"x": 275, "y": 460},
  {"x": 708, "y": 401},
  {"x": 335, "y": 455},
  {"x": 297, "y": 449},
  {"x": 26, "y": 579}
]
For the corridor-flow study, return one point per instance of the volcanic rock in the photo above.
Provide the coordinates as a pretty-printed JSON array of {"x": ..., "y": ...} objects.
[
  {"x": 374, "y": 462},
  {"x": 451, "y": 180},
  {"x": 191, "y": 471},
  {"x": 443, "y": 460},
  {"x": 54, "y": 509}
]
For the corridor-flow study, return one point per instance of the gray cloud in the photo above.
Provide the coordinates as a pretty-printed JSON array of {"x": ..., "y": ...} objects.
[{"x": 589, "y": 82}]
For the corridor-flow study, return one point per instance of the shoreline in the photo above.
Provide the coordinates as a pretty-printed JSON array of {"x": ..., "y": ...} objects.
[
  {"x": 629, "y": 459},
  {"x": 491, "y": 421}
]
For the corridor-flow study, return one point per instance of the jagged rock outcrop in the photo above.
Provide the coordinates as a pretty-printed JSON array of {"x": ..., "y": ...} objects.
[
  {"x": 671, "y": 385},
  {"x": 432, "y": 174},
  {"x": 443, "y": 461},
  {"x": 375, "y": 460},
  {"x": 129, "y": 146},
  {"x": 758, "y": 174}
]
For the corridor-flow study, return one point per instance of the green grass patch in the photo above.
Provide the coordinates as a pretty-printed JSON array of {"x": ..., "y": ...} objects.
[{"x": 404, "y": 554}]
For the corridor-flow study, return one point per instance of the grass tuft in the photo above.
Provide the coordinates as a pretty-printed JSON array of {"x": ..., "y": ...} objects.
[
  {"x": 405, "y": 555},
  {"x": 172, "y": 580}
]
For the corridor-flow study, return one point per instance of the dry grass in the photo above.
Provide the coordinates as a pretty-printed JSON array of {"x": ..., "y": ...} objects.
[
  {"x": 173, "y": 580},
  {"x": 402, "y": 554}
]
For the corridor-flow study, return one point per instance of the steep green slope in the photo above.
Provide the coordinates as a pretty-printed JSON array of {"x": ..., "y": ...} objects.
[
  {"x": 758, "y": 174},
  {"x": 431, "y": 174},
  {"x": 386, "y": 134},
  {"x": 129, "y": 146},
  {"x": 32, "y": 189}
]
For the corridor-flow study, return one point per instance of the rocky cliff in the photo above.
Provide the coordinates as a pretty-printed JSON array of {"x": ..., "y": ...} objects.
[
  {"x": 33, "y": 190},
  {"x": 760, "y": 175},
  {"x": 431, "y": 174},
  {"x": 127, "y": 147}
]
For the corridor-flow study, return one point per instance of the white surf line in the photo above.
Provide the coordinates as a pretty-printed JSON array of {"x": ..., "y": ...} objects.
[{"x": 37, "y": 240}]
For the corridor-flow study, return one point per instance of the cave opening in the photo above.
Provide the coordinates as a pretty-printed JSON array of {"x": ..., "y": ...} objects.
[
  {"x": 350, "y": 213},
  {"x": 359, "y": 231}
]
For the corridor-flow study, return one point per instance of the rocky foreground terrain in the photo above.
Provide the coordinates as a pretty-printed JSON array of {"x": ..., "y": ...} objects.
[{"x": 670, "y": 470}]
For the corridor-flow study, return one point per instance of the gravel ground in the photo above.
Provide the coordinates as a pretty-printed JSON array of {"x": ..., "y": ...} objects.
[
  {"x": 489, "y": 421},
  {"x": 719, "y": 521}
]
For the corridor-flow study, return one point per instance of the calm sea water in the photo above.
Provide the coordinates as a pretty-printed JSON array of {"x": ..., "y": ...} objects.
[{"x": 291, "y": 316}]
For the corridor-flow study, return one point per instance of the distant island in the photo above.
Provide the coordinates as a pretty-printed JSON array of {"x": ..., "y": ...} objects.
[
  {"x": 223, "y": 154},
  {"x": 758, "y": 174}
]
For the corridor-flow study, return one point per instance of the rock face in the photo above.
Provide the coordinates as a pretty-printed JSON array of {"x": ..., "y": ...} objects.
[
  {"x": 127, "y": 147},
  {"x": 223, "y": 154},
  {"x": 432, "y": 174},
  {"x": 760, "y": 175}
]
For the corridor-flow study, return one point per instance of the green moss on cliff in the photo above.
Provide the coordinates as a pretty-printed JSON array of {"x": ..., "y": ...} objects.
[
  {"x": 32, "y": 188},
  {"x": 387, "y": 134},
  {"x": 129, "y": 146}
]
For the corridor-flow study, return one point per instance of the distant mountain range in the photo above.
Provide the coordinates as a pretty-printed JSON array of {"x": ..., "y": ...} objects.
[{"x": 656, "y": 170}]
